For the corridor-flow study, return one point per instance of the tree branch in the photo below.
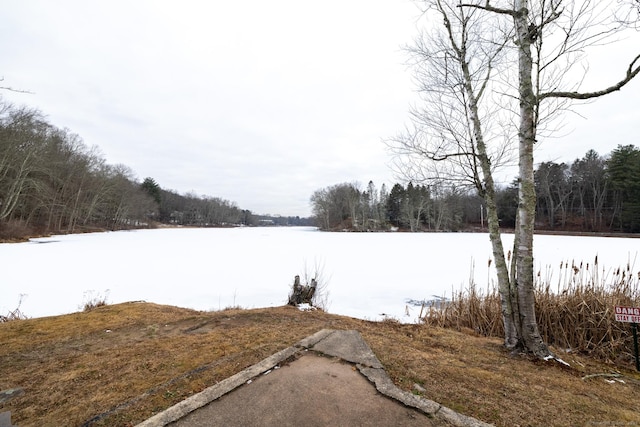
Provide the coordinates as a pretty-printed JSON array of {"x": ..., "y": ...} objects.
[
  {"x": 12, "y": 89},
  {"x": 490, "y": 8},
  {"x": 631, "y": 73},
  {"x": 555, "y": 14}
]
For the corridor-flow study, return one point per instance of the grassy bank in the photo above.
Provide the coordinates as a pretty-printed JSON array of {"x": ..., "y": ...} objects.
[{"x": 117, "y": 365}]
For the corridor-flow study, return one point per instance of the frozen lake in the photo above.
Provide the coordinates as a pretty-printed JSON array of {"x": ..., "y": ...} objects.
[{"x": 368, "y": 275}]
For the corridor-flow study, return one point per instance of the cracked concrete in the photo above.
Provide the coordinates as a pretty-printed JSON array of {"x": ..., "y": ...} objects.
[{"x": 329, "y": 378}]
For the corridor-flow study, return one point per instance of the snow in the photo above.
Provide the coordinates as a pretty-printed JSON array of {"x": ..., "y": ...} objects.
[
  {"x": 557, "y": 359},
  {"x": 367, "y": 275},
  {"x": 306, "y": 307}
]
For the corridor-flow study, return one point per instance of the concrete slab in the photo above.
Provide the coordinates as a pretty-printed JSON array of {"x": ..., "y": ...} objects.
[
  {"x": 349, "y": 346},
  {"x": 5, "y": 419},
  {"x": 329, "y": 378},
  {"x": 313, "y": 391}
]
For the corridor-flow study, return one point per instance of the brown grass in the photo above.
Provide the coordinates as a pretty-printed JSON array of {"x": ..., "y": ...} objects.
[
  {"x": 117, "y": 365},
  {"x": 574, "y": 310}
]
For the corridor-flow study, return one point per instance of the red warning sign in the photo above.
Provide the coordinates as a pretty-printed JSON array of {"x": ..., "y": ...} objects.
[{"x": 628, "y": 314}]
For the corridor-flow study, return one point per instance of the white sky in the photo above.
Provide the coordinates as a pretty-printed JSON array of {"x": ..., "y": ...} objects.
[{"x": 257, "y": 102}]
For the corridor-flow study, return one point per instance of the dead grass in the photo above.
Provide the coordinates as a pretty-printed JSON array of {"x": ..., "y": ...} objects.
[
  {"x": 574, "y": 310},
  {"x": 117, "y": 365}
]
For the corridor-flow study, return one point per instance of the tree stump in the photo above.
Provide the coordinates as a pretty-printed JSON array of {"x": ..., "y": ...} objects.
[{"x": 302, "y": 294}]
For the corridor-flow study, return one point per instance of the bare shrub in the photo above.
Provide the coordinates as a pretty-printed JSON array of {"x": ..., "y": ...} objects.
[
  {"x": 93, "y": 299},
  {"x": 14, "y": 230},
  {"x": 16, "y": 314},
  {"x": 575, "y": 312}
]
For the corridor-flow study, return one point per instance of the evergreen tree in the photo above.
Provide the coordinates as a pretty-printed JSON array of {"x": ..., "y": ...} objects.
[
  {"x": 623, "y": 175},
  {"x": 394, "y": 205},
  {"x": 151, "y": 187}
]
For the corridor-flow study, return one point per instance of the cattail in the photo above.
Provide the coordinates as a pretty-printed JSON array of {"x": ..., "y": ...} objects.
[{"x": 577, "y": 316}]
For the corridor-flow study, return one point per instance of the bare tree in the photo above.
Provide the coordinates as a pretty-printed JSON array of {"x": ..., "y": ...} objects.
[
  {"x": 458, "y": 134},
  {"x": 322, "y": 208},
  {"x": 589, "y": 180},
  {"x": 483, "y": 62},
  {"x": 554, "y": 191},
  {"x": 574, "y": 26},
  {"x": 22, "y": 132}
]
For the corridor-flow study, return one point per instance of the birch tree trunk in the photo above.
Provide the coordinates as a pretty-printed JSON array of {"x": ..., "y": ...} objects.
[
  {"x": 487, "y": 190},
  {"x": 526, "y": 320}
]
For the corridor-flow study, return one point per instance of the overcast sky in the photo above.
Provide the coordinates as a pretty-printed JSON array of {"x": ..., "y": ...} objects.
[{"x": 258, "y": 102}]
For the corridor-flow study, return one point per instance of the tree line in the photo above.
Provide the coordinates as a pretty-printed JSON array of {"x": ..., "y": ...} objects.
[
  {"x": 594, "y": 194},
  {"x": 51, "y": 182},
  {"x": 414, "y": 207}
]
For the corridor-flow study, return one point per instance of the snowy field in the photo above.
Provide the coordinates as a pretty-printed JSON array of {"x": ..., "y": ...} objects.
[{"x": 368, "y": 275}]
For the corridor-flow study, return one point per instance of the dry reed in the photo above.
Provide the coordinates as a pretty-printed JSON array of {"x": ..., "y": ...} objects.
[{"x": 575, "y": 311}]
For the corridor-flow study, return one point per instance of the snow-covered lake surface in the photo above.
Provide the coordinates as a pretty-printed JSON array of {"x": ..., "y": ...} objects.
[{"x": 368, "y": 275}]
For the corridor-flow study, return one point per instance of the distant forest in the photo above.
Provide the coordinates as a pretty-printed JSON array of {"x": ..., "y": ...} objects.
[
  {"x": 51, "y": 182},
  {"x": 593, "y": 194}
]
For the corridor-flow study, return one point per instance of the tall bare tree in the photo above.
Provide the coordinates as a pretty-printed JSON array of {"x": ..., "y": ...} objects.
[
  {"x": 458, "y": 133},
  {"x": 482, "y": 61}
]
